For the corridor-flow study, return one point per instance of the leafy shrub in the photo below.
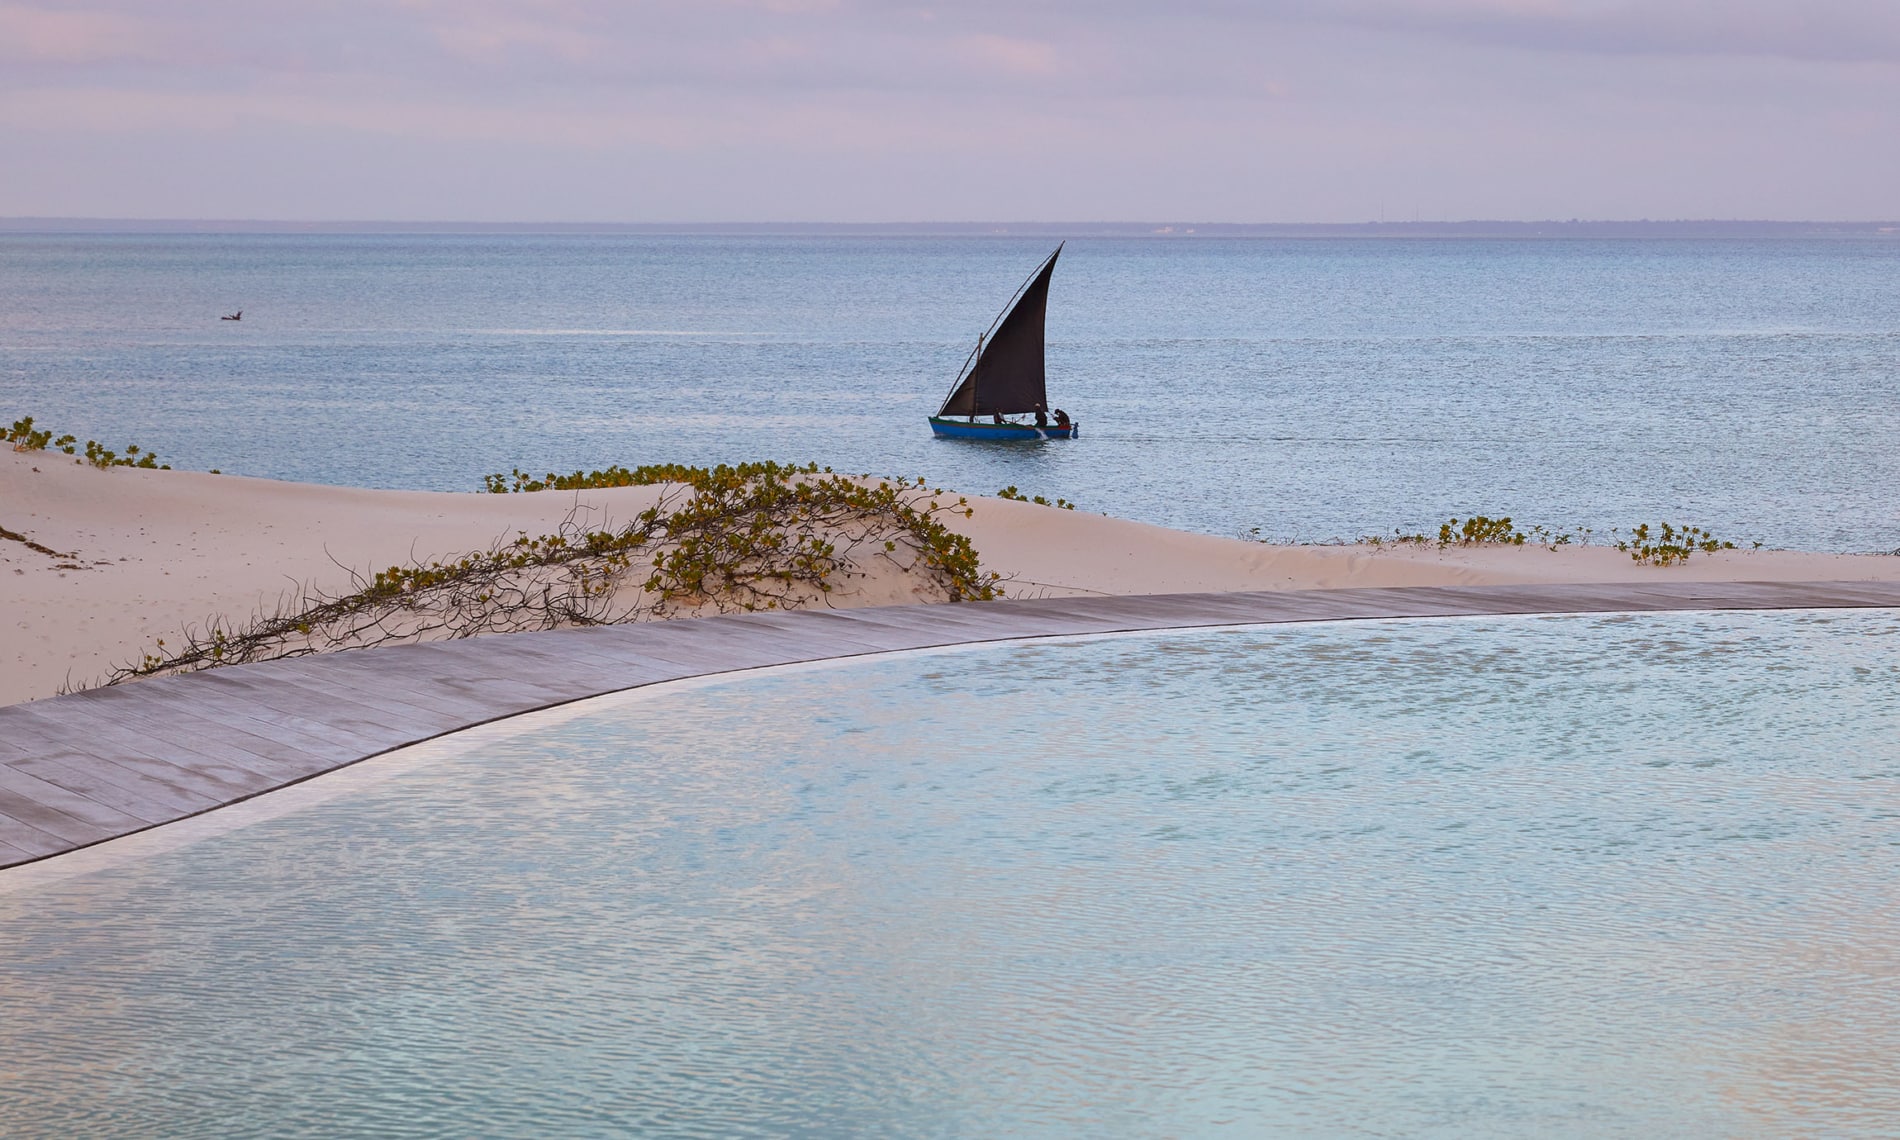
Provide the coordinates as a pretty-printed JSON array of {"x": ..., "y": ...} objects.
[
  {"x": 1669, "y": 545},
  {"x": 1479, "y": 529},
  {"x": 25, "y": 437},
  {"x": 1010, "y": 492}
]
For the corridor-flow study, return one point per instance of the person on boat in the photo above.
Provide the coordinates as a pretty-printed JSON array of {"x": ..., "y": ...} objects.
[
  {"x": 1062, "y": 418},
  {"x": 1042, "y": 418},
  {"x": 996, "y": 417}
]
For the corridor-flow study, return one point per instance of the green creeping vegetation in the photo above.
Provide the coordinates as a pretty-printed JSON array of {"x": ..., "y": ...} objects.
[
  {"x": 1481, "y": 530},
  {"x": 25, "y": 437},
  {"x": 1477, "y": 530},
  {"x": 1665, "y": 546},
  {"x": 760, "y": 536},
  {"x": 645, "y": 476},
  {"x": 1010, "y": 492},
  {"x": 713, "y": 555},
  {"x": 1669, "y": 545}
]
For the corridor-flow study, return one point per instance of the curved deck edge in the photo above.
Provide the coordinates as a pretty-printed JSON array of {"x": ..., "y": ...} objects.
[{"x": 94, "y": 766}]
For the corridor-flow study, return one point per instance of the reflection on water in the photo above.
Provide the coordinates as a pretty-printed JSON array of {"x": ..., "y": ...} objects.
[{"x": 1583, "y": 876}]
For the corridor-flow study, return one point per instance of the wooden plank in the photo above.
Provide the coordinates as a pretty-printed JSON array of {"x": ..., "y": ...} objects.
[
  {"x": 839, "y": 631},
  {"x": 179, "y": 732},
  {"x": 187, "y": 722},
  {"x": 184, "y": 788},
  {"x": 70, "y": 829},
  {"x": 68, "y": 802},
  {"x": 412, "y": 699},
  {"x": 121, "y": 787},
  {"x": 696, "y": 654},
  {"x": 23, "y": 836},
  {"x": 56, "y": 722},
  {"x": 9, "y": 854},
  {"x": 274, "y": 720},
  {"x": 433, "y": 709}
]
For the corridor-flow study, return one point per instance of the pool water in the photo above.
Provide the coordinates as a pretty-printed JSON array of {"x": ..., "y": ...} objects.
[{"x": 1581, "y": 876}]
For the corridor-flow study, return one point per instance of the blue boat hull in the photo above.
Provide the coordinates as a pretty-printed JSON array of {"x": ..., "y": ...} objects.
[{"x": 982, "y": 429}]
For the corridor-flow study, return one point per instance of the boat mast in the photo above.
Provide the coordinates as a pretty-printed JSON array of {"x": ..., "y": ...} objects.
[{"x": 977, "y": 356}]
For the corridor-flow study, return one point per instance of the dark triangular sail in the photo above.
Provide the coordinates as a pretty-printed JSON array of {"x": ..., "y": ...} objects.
[{"x": 1006, "y": 377}]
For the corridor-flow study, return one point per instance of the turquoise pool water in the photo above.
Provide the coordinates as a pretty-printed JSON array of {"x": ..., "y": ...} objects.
[{"x": 1580, "y": 876}]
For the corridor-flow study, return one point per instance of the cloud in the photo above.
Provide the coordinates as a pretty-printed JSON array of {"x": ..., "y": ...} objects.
[
  {"x": 63, "y": 37},
  {"x": 584, "y": 53},
  {"x": 1010, "y": 55},
  {"x": 1225, "y": 108},
  {"x": 488, "y": 41},
  {"x": 1821, "y": 30}
]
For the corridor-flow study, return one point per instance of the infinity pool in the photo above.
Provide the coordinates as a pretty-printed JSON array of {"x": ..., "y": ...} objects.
[{"x": 1580, "y": 876}]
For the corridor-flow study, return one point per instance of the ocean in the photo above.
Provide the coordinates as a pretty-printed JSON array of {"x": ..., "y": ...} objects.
[{"x": 1307, "y": 390}]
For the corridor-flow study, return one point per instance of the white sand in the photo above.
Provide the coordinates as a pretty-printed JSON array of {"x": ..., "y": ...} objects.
[{"x": 157, "y": 551}]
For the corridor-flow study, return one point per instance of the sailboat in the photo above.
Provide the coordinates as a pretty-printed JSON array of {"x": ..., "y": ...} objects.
[{"x": 1003, "y": 375}]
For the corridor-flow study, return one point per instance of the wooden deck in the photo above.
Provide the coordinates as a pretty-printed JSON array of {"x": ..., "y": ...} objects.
[{"x": 81, "y": 769}]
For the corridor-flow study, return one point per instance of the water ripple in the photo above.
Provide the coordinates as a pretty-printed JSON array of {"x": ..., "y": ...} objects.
[{"x": 1583, "y": 876}]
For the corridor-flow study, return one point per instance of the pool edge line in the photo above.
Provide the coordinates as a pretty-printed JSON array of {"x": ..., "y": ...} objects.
[{"x": 77, "y": 791}]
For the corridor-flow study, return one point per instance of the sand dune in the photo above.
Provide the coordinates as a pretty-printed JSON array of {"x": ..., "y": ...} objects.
[{"x": 140, "y": 555}]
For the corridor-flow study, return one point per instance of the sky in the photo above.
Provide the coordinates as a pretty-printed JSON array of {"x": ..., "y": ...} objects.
[{"x": 984, "y": 110}]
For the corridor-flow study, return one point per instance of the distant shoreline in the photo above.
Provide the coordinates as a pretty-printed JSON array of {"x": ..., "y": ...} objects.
[{"x": 1644, "y": 228}]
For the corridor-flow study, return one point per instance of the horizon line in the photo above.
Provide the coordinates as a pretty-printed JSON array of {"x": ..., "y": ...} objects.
[{"x": 1467, "y": 228}]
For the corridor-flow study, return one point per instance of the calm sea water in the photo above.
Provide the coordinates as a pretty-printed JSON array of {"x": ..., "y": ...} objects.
[
  {"x": 1311, "y": 389},
  {"x": 1617, "y": 876}
]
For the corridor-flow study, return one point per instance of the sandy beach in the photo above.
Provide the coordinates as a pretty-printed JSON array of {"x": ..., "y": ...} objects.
[{"x": 139, "y": 555}]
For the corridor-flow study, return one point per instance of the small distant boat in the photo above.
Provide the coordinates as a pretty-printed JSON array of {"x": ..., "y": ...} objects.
[
  {"x": 1004, "y": 377},
  {"x": 237, "y": 316}
]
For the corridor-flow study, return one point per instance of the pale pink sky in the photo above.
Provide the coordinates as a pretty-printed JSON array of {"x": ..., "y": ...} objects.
[{"x": 876, "y": 110}]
